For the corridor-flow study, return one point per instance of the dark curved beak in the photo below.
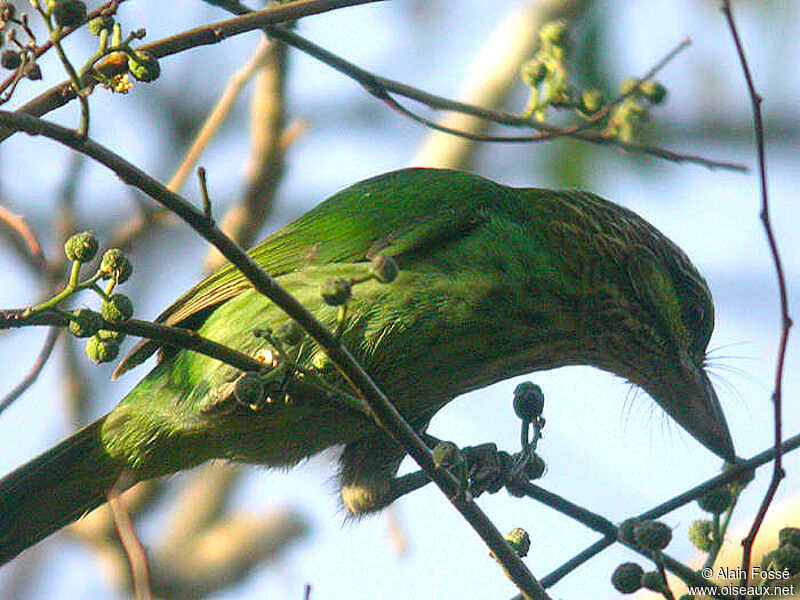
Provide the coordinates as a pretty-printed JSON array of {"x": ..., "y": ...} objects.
[{"x": 693, "y": 403}]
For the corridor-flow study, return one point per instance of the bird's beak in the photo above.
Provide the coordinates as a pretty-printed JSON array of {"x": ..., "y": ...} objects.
[{"x": 693, "y": 403}]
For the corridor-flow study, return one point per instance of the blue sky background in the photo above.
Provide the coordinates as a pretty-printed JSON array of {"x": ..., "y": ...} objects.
[{"x": 615, "y": 457}]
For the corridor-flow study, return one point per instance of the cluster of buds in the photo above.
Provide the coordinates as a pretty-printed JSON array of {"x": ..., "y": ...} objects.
[
  {"x": 546, "y": 72},
  {"x": 651, "y": 537},
  {"x": 626, "y": 116},
  {"x": 16, "y": 55},
  {"x": 115, "y": 268},
  {"x": 547, "y": 76}
]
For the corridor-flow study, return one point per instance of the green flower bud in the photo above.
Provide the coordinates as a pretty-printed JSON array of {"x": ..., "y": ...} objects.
[
  {"x": 7, "y": 11},
  {"x": 336, "y": 292},
  {"x": 652, "y": 535},
  {"x": 533, "y": 72},
  {"x": 519, "y": 540},
  {"x": 535, "y": 467},
  {"x": 116, "y": 309},
  {"x": 785, "y": 558},
  {"x": 789, "y": 536},
  {"x": 100, "y": 350},
  {"x": 115, "y": 265},
  {"x": 10, "y": 59},
  {"x": 144, "y": 66},
  {"x": 84, "y": 323},
  {"x": 700, "y": 535},
  {"x": 528, "y": 401},
  {"x": 81, "y": 247},
  {"x": 69, "y": 13},
  {"x": 652, "y": 581},
  {"x": 249, "y": 390},
  {"x": 625, "y": 531},
  {"x": 554, "y": 32},
  {"x": 653, "y": 91},
  {"x": 107, "y": 334},
  {"x": 446, "y": 455},
  {"x": 100, "y": 24},
  {"x": 33, "y": 71},
  {"x": 627, "y": 578},
  {"x": 384, "y": 268},
  {"x": 717, "y": 500},
  {"x": 591, "y": 101}
]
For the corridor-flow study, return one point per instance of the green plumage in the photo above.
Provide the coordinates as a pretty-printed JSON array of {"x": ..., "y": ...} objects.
[{"x": 493, "y": 282}]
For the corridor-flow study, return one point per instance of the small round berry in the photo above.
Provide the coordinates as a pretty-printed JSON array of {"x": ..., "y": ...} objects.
[
  {"x": 69, "y": 13},
  {"x": 384, "y": 268},
  {"x": 249, "y": 390},
  {"x": 653, "y": 91},
  {"x": 627, "y": 578},
  {"x": 144, "y": 66},
  {"x": 100, "y": 350},
  {"x": 528, "y": 401},
  {"x": 519, "y": 540},
  {"x": 535, "y": 467},
  {"x": 554, "y": 32},
  {"x": 533, "y": 72},
  {"x": 789, "y": 536},
  {"x": 700, "y": 535},
  {"x": 115, "y": 265},
  {"x": 591, "y": 101},
  {"x": 81, "y": 247},
  {"x": 652, "y": 535},
  {"x": 625, "y": 531},
  {"x": 100, "y": 24},
  {"x": 336, "y": 292},
  {"x": 717, "y": 500},
  {"x": 10, "y": 59},
  {"x": 445, "y": 455},
  {"x": 117, "y": 308},
  {"x": 33, "y": 71}
]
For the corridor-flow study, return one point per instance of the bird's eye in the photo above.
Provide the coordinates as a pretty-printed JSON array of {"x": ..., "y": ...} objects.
[{"x": 697, "y": 314}]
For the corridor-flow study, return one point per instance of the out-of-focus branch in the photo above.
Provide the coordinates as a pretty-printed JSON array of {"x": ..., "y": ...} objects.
[
  {"x": 494, "y": 70},
  {"x": 265, "y": 162}
]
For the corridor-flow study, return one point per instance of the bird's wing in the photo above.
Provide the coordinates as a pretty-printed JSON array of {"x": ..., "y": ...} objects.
[{"x": 394, "y": 214}]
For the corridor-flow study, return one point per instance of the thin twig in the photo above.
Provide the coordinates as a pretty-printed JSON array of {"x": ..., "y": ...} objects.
[
  {"x": 786, "y": 322},
  {"x": 215, "y": 33},
  {"x": 218, "y": 115},
  {"x": 176, "y": 337},
  {"x": 382, "y": 87},
  {"x": 25, "y": 241},
  {"x": 137, "y": 557},
  {"x": 35, "y": 370},
  {"x": 383, "y": 412}
]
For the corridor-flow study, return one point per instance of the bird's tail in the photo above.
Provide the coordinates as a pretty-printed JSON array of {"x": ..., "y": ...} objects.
[{"x": 54, "y": 490}]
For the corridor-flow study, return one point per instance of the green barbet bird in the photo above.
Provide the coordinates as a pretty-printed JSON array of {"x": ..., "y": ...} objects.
[{"x": 493, "y": 282}]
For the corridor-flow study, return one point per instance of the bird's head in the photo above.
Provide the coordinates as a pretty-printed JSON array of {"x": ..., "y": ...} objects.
[{"x": 646, "y": 313}]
